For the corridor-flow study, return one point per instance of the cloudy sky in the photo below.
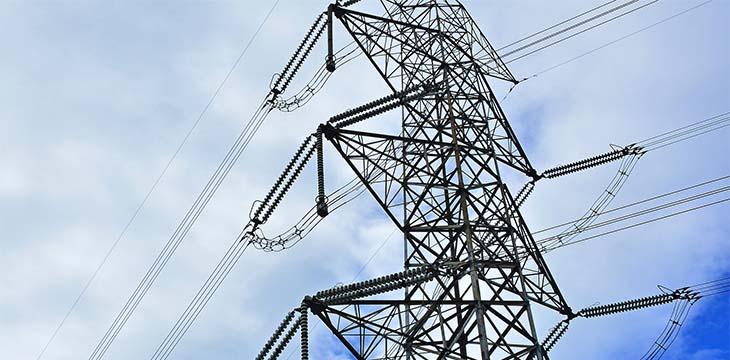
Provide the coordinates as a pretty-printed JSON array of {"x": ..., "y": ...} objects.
[{"x": 96, "y": 96}]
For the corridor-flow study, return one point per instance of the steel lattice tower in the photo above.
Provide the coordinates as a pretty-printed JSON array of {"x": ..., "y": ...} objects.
[
  {"x": 472, "y": 270},
  {"x": 440, "y": 182}
]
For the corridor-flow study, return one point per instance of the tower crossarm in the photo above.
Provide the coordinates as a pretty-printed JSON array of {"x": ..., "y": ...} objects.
[
  {"x": 262, "y": 210},
  {"x": 477, "y": 50}
]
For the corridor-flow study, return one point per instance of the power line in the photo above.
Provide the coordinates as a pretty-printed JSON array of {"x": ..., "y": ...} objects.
[
  {"x": 184, "y": 227},
  {"x": 560, "y": 238},
  {"x": 643, "y": 222},
  {"x": 617, "y": 40},
  {"x": 555, "y": 25},
  {"x": 156, "y": 182},
  {"x": 204, "y": 294},
  {"x": 688, "y": 127},
  {"x": 578, "y": 33},
  {"x": 691, "y": 135},
  {"x": 656, "y": 197},
  {"x": 571, "y": 27}
]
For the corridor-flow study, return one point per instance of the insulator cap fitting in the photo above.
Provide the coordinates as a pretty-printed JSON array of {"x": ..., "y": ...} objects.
[{"x": 322, "y": 209}]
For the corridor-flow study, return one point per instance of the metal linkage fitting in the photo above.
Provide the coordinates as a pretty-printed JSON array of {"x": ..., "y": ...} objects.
[
  {"x": 591, "y": 162},
  {"x": 383, "y": 284},
  {"x": 379, "y": 106}
]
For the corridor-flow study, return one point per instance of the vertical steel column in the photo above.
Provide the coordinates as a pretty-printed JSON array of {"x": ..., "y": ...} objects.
[{"x": 463, "y": 193}]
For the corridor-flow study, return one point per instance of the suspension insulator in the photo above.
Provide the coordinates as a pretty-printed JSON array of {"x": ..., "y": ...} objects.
[
  {"x": 277, "y": 333},
  {"x": 350, "y": 2},
  {"x": 266, "y": 202},
  {"x": 330, "y": 62},
  {"x": 591, "y": 162},
  {"x": 285, "y": 340},
  {"x": 524, "y": 193},
  {"x": 343, "y": 294},
  {"x": 300, "y": 62},
  {"x": 379, "y": 110},
  {"x": 555, "y": 334},
  {"x": 297, "y": 171},
  {"x": 304, "y": 328},
  {"x": 286, "y": 74},
  {"x": 322, "y": 209},
  {"x": 623, "y": 306},
  {"x": 375, "y": 103}
]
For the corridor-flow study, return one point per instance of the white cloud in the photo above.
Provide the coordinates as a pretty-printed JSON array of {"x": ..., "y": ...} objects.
[{"x": 95, "y": 98}]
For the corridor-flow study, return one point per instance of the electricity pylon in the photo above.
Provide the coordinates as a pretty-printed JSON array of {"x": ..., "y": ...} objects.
[
  {"x": 441, "y": 185},
  {"x": 472, "y": 271}
]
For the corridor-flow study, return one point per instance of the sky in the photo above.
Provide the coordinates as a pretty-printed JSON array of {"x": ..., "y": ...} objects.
[{"x": 96, "y": 96}]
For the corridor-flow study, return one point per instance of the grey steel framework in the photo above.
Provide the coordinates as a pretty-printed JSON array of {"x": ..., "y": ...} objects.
[
  {"x": 472, "y": 270},
  {"x": 441, "y": 185}
]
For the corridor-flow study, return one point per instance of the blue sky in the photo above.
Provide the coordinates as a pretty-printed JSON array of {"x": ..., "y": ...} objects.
[{"x": 96, "y": 96}]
